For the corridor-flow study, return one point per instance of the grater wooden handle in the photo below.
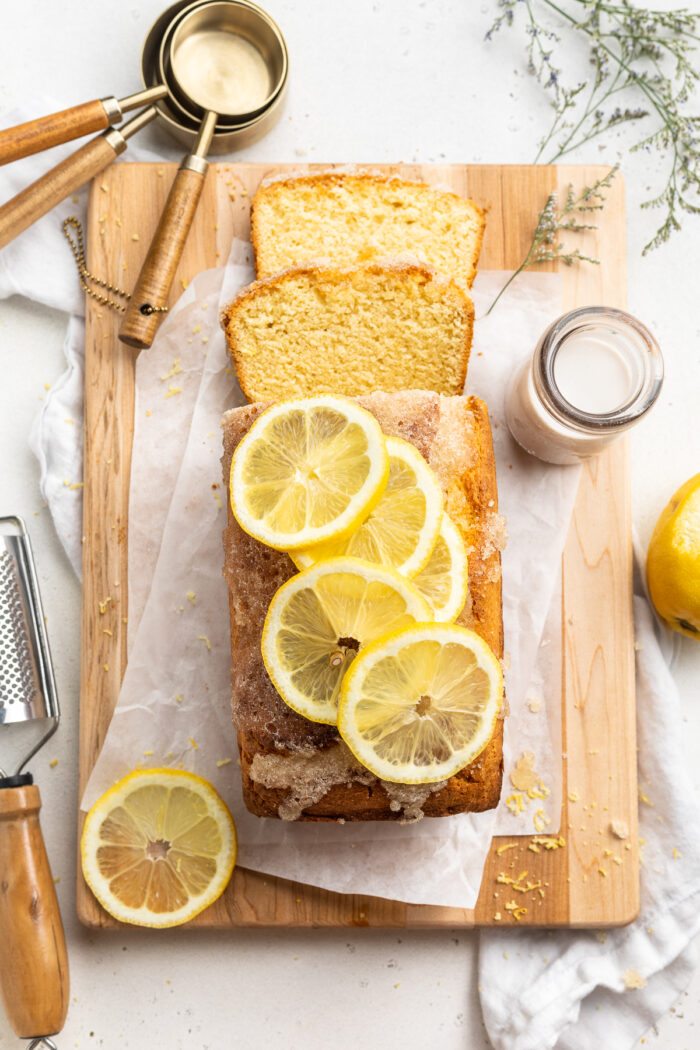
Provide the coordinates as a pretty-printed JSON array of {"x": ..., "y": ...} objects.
[{"x": 33, "y": 961}]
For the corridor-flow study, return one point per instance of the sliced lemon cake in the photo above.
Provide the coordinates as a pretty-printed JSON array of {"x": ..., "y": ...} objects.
[
  {"x": 299, "y": 768},
  {"x": 325, "y": 329},
  {"x": 349, "y": 217}
]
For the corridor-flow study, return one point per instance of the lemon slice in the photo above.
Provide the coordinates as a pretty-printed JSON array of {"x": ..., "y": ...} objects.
[
  {"x": 308, "y": 470},
  {"x": 444, "y": 581},
  {"x": 317, "y": 622},
  {"x": 158, "y": 847},
  {"x": 420, "y": 704},
  {"x": 402, "y": 529}
]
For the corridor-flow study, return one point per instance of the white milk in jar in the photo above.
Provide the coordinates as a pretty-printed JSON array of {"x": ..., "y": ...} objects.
[{"x": 595, "y": 372}]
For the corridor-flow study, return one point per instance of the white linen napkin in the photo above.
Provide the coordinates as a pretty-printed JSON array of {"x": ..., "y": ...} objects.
[
  {"x": 585, "y": 990},
  {"x": 38, "y": 264}
]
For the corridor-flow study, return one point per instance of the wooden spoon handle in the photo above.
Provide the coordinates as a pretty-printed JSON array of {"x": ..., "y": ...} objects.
[
  {"x": 44, "y": 132},
  {"x": 33, "y": 961},
  {"x": 145, "y": 311},
  {"x": 55, "y": 185}
]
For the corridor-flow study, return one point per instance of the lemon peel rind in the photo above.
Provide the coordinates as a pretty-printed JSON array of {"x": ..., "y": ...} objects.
[
  {"x": 368, "y": 571},
  {"x": 388, "y": 645},
  {"x": 360, "y": 505},
  {"x": 143, "y": 916}
]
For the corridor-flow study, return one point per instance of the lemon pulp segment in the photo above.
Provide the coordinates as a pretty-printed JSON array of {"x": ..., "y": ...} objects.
[
  {"x": 319, "y": 620},
  {"x": 158, "y": 847},
  {"x": 444, "y": 580},
  {"x": 421, "y": 703},
  {"x": 309, "y": 469},
  {"x": 402, "y": 528}
]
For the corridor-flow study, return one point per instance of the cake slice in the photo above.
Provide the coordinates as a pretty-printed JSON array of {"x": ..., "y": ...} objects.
[
  {"x": 296, "y": 769},
  {"x": 352, "y": 217},
  {"x": 324, "y": 329}
]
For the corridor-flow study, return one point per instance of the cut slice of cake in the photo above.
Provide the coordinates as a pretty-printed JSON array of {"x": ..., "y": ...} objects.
[
  {"x": 352, "y": 217},
  {"x": 300, "y": 770},
  {"x": 323, "y": 329}
]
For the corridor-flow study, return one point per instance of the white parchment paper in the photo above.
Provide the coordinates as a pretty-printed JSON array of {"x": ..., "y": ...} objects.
[{"x": 173, "y": 708}]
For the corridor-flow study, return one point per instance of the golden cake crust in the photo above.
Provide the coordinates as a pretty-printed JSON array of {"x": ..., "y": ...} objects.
[{"x": 298, "y": 769}]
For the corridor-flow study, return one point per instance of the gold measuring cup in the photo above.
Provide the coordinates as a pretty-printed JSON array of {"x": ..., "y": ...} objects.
[{"x": 199, "y": 37}]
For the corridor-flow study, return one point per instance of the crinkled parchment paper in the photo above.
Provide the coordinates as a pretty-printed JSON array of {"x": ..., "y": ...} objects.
[{"x": 173, "y": 708}]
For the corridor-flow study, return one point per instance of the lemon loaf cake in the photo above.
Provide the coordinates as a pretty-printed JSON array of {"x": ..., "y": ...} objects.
[
  {"x": 322, "y": 329},
  {"x": 293, "y": 768},
  {"x": 352, "y": 217}
]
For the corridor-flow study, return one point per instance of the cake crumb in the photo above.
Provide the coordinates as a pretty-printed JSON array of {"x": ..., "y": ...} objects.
[
  {"x": 633, "y": 980},
  {"x": 619, "y": 829}
]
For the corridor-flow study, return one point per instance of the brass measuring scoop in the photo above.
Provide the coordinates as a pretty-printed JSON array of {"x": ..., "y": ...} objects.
[{"x": 219, "y": 60}]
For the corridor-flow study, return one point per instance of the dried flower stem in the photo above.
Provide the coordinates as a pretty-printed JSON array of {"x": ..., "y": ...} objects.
[
  {"x": 546, "y": 246},
  {"x": 639, "y": 51}
]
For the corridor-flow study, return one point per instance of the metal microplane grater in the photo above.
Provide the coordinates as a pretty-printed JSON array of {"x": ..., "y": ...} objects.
[{"x": 27, "y": 686}]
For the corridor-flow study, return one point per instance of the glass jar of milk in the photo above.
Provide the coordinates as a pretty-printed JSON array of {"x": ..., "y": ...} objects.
[{"x": 594, "y": 373}]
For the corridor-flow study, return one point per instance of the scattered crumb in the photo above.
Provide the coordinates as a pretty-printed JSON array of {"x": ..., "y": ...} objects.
[
  {"x": 172, "y": 390},
  {"x": 223, "y": 762},
  {"x": 104, "y": 188},
  {"x": 619, "y": 829},
  {"x": 497, "y": 916},
  {"x": 633, "y": 979},
  {"x": 178, "y": 697},
  {"x": 146, "y": 753},
  {"x": 192, "y": 597},
  {"x": 573, "y": 796},
  {"x": 106, "y": 630},
  {"x": 507, "y": 846},
  {"x": 103, "y": 605},
  {"x": 203, "y": 638},
  {"x": 135, "y": 237},
  {"x": 53, "y": 763},
  {"x": 677, "y": 855},
  {"x": 535, "y": 705},
  {"x": 194, "y": 743}
]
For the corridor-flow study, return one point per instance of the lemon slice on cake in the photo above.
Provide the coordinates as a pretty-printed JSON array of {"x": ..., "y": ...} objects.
[
  {"x": 402, "y": 529},
  {"x": 308, "y": 470},
  {"x": 319, "y": 620},
  {"x": 158, "y": 847},
  {"x": 444, "y": 580},
  {"x": 421, "y": 703}
]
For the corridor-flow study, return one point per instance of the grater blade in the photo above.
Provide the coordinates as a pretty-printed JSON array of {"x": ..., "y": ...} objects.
[{"x": 27, "y": 687}]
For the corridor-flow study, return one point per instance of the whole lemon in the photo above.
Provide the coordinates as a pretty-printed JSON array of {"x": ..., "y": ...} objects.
[{"x": 673, "y": 561}]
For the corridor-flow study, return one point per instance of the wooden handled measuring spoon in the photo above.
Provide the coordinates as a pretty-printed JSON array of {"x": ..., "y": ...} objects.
[
  {"x": 53, "y": 187},
  {"x": 150, "y": 296},
  {"x": 45, "y": 132}
]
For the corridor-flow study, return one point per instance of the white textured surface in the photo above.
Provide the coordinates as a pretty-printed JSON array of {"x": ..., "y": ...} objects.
[{"x": 370, "y": 82}]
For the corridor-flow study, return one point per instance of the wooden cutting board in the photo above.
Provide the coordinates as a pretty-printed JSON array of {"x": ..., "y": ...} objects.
[{"x": 586, "y": 877}]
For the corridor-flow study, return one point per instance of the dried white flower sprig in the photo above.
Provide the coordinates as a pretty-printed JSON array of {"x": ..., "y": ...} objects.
[
  {"x": 645, "y": 68},
  {"x": 546, "y": 244}
]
